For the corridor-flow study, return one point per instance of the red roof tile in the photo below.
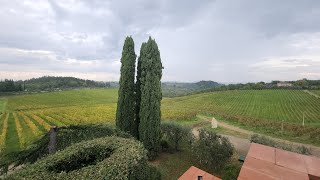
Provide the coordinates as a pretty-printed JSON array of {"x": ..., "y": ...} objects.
[
  {"x": 290, "y": 160},
  {"x": 264, "y": 163},
  {"x": 192, "y": 173},
  {"x": 265, "y": 153},
  {"x": 313, "y": 165}
]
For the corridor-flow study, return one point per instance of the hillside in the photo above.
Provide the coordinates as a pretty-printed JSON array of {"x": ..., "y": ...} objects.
[
  {"x": 174, "y": 89},
  {"x": 51, "y": 83},
  {"x": 27, "y": 117}
]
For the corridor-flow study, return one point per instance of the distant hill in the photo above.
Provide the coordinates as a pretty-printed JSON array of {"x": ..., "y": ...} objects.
[
  {"x": 49, "y": 83},
  {"x": 173, "y": 89}
]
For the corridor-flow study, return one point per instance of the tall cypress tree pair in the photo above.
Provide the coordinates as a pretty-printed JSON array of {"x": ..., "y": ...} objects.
[{"x": 143, "y": 98}]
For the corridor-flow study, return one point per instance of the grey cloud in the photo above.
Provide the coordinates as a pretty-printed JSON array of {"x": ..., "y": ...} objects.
[{"x": 222, "y": 40}]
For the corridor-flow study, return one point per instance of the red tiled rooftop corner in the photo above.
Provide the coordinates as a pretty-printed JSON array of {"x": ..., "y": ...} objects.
[
  {"x": 264, "y": 163},
  {"x": 192, "y": 173},
  {"x": 313, "y": 165},
  {"x": 258, "y": 168}
]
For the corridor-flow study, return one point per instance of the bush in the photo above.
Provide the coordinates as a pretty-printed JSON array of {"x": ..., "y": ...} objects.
[
  {"x": 175, "y": 133},
  {"x": 256, "y": 138},
  {"x": 66, "y": 136},
  {"x": 212, "y": 150},
  {"x": 231, "y": 171},
  {"x": 102, "y": 158}
]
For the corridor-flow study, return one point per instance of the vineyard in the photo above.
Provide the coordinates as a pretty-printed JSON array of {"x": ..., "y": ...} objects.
[
  {"x": 317, "y": 92},
  {"x": 275, "y": 105},
  {"x": 25, "y": 118}
]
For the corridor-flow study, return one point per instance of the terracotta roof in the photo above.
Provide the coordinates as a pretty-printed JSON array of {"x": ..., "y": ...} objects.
[
  {"x": 266, "y": 163},
  {"x": 192, "y": 174}
]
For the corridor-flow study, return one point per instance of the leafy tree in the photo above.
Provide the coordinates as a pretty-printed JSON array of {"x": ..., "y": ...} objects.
[
  {"x": 212, "y": 150},
  {"x": 125, "y": 109},
  {"x": 150, "y": 113},
  {"x": 175, "y": 133},
  {"x": 10, "y": 86}
]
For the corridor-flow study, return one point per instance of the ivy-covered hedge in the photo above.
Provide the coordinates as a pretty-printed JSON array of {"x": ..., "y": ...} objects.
[{"x": 103, "y": 158}]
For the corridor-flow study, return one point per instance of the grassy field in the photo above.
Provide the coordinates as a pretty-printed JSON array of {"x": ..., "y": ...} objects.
[{"x": 25, "y": 118}]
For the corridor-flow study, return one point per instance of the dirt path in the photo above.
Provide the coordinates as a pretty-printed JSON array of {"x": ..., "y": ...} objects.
[
  {"x": 311, "y": 93},
  {"x": 242, "y": 145}
]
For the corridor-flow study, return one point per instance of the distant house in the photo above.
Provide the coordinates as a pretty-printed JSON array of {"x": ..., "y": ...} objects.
[
  {"x": 264, "y": 163},
  {"x": 284, "y": 84},
  {"x": 194, "y": 173}
]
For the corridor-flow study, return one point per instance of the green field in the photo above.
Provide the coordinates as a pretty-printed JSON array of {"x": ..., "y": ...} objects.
[
  {"x": 316, "y": 92},
  {"x": 25, "y": 118}
]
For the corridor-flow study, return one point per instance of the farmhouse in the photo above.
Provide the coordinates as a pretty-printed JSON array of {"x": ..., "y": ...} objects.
[{"x": 284, "y": 84}]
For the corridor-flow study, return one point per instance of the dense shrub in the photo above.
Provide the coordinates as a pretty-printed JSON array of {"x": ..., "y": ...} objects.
[
  {"x": 175, "y": 133},
  {"x": 102, "y": 158},
  {"x": 256, "y": 138},
  {"x": 231, "y": 171},
  {"x": 212, "y": 150},
  {"x": 66, "y": 137}
]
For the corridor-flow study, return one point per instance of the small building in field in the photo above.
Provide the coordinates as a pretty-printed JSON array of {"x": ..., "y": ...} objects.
[
  {"x": 284, "y": 84},
  {"x": 194, "y": 173},
  {"x": 268, "y": 163}
]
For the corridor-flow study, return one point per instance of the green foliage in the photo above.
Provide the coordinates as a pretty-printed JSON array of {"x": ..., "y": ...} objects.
[
  {"x": 175, "y": 89},
  {"x": 175, "y": 133},
  {"x": 256, "y": 138},
  {"x": 138, "y": 86},
  {"x": 125, "y": 119},
  {"x": 212, "y": 150},
  {"x": 231, "y": 171},
  {"x": 9, "y": 86},
  {"x": 51, "y": 83},
  {"x": 102, "y": 158},
  {"x": 66, "y": 136},
  {"x": 150, "y": 113}
]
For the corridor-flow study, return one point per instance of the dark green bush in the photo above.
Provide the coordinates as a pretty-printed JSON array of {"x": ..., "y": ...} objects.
[
  {"x": 256, "y": 138},
  {"x": 66, "y": 137},
  {"x": 102, "y": 158},
  {"x": 175, "y": 133},
  {"x": 212, "y": 150},
  {"x": 231, "y": 171}
]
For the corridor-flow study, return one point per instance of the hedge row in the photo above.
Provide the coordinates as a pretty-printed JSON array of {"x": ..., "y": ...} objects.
[
  {"x": 102, "y": 158},
  {"x": 66, "y": 136}
]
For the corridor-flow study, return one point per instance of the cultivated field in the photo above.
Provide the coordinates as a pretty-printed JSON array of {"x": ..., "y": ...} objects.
[
  {"x": 317, "y": 92},
  {"x": 26, "y": 118}
]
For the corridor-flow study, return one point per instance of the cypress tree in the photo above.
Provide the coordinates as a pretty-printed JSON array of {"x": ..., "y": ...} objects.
[
  {"x": 126, "y": 101},
  {"x": 138, "y": 87},
  {"x": 151, "y": 95}
]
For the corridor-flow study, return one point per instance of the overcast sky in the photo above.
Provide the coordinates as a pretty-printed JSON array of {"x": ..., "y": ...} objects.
[{"x": 221, "y": 40}]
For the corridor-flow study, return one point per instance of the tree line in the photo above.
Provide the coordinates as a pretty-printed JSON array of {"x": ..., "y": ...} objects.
[
  {"x": 50, "y": 83},
  {"x": 299, "y": 84},
  {"x": 8, "y": 85},
  {"x": 139, "y": 102}
]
